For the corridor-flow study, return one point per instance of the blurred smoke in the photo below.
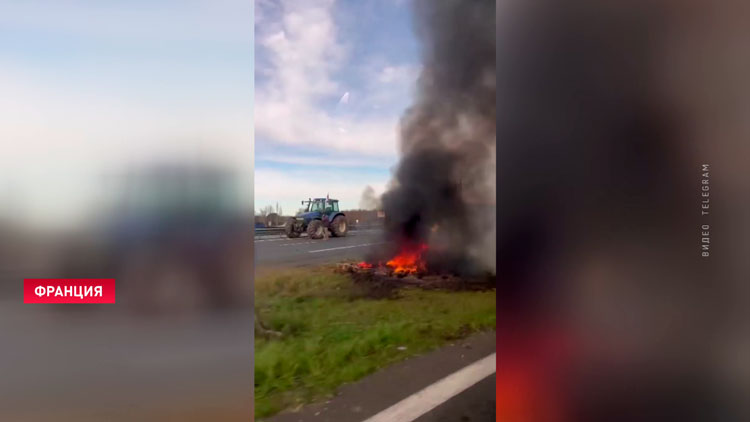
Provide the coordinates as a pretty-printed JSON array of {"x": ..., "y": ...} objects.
[
  {"x": 369, "y": 200},
  {"x": 446, "y": 177},
  {"x": 606, "y": 112}
]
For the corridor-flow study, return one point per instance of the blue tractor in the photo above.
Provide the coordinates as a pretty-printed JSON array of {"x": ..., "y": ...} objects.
[{"x": 319, "y": 214}]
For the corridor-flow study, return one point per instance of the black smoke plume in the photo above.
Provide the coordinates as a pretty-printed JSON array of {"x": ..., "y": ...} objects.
[{"x": 443, "y": 191}]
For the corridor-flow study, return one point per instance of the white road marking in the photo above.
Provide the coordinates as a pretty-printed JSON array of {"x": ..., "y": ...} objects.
[
  {"x": 276, "y": 239},
  {"x": 438, "y": 393},
  {"x": 298, "y": 243},
  {"x": 344, "y": 247}
]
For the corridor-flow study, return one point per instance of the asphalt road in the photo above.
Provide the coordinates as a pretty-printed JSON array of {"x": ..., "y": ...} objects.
[
  {"x": 301, "y": 252},
  {"x": 476, "y": 404}
]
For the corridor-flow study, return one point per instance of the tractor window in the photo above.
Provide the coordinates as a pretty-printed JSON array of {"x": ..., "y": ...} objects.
[
  {"x": 316, "y": 206},
  {"x": 335, "y": 206}
]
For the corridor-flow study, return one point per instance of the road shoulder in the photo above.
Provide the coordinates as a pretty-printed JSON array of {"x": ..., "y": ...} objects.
[{"x": 358, "y": 401}]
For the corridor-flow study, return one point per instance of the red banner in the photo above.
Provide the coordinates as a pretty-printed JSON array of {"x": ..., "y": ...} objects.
[{"x": 69, "y": 290}]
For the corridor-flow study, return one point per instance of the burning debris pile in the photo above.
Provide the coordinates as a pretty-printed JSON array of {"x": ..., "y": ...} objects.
[
  {"x": 440, "y": 206},
  {"x": 414, "y": 265},
  {"x": 409, "y": 269},
  {"x": 408, "y": 262}
]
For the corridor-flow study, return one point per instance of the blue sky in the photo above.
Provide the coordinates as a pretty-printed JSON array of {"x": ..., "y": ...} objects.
[
  {"x": 90, "y": 87},
  {"x": 332, "y": 80}
]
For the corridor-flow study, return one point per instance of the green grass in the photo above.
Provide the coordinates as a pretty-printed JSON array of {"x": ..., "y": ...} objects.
[{"x": 334, "y": 333}]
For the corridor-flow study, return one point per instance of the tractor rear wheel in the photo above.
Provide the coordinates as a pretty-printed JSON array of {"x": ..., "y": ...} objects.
[
  {"x": 339, "y": 227},
  {"x": 315, "y": 229},
  {"x": 289, "y": 228}
]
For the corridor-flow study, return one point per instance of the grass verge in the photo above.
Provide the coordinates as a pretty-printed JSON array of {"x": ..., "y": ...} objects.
[{"x": 333, "y": 333}]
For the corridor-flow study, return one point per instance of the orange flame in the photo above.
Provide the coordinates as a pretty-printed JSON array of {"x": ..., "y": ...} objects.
[
  {"x": 365, "y": 265},
  {"x": 408, "y": 261}
]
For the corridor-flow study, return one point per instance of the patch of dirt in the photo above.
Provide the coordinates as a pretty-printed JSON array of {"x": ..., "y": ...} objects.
[
  {"x": 368, "y": 287},
  {"x": 463, "y": 332}
]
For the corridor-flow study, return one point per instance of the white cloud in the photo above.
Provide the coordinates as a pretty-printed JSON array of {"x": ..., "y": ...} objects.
[
  {"x": 391, "y": 85},
  {"x": 305, "y": 52},
  {"x": 401, "y": 75},
  {"x": 325, "y": 161}
]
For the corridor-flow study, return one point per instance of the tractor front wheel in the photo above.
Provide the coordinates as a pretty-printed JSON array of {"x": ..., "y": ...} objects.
[
  {"x": 315, "y": 229},
  {"x": 290, "y": 228},
  {"x": 339, "y": 227}
]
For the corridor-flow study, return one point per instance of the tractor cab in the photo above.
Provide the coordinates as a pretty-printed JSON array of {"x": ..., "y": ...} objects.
[{"x": 315, "y": 208}]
